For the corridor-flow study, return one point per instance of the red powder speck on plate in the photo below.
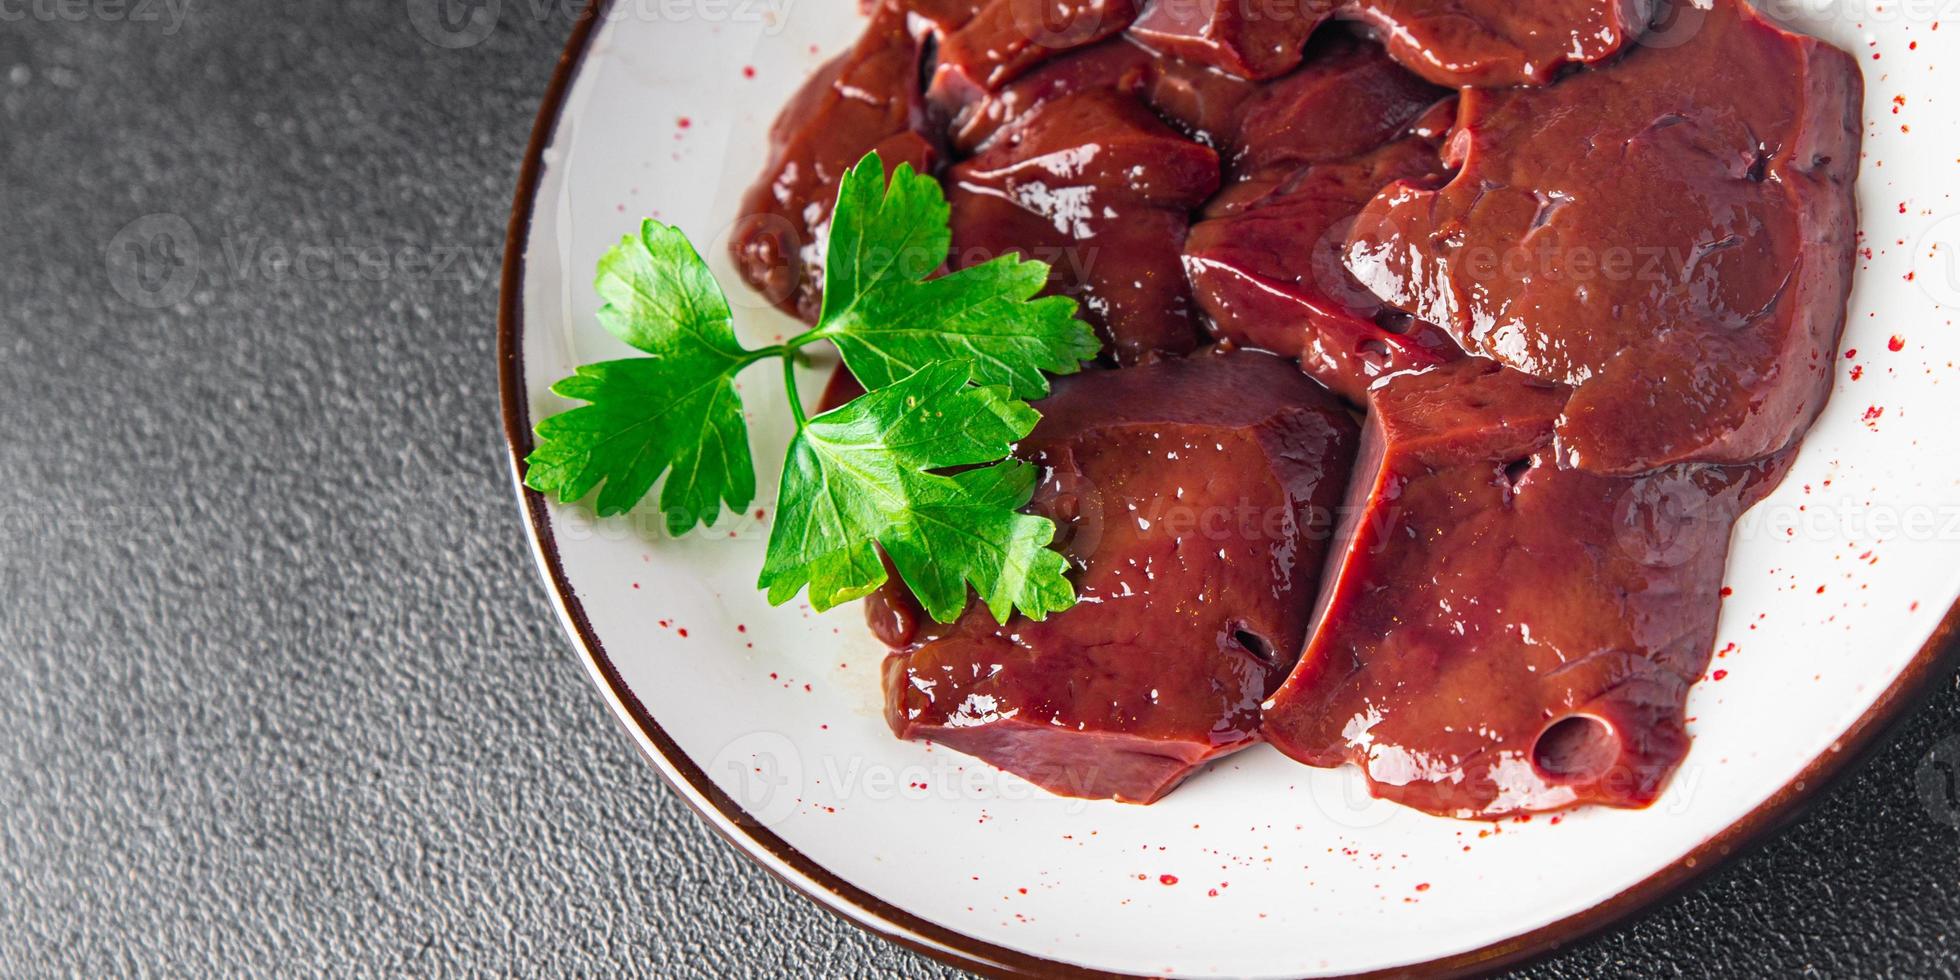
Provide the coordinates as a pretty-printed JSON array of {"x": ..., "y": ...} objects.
[
  {"x": 1718, "y": 675},
  {"x": 1897, "y": 343},
  {"x": 1167, "y": 879},
  {"x": 1423, "y": 887},
  {"x": 748, "y": 71}
]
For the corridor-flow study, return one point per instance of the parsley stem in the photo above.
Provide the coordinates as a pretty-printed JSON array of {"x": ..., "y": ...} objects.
[
  {"x": 795, "y": 398},
  {"x": 809, "y": 336}
]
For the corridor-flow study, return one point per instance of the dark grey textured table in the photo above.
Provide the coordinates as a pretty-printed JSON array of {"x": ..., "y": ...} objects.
[{"x": 279, "y": 688}]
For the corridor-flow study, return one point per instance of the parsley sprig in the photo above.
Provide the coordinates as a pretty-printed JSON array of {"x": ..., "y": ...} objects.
[{"x": 918, "y": 466}]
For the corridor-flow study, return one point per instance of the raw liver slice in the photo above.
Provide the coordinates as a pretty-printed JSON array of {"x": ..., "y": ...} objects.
[
  {"x": 1450, "y": 42},
  {"x": 1349, "y": 99},
  {"x": 941, "y": 17},
  {"x": 1200, "y": 102},
  {"x": 869, "y": 98},
  {"x": 863, "y": 100},
  {"x": 1195, "y": 497},
  {"x": 1309, "y": 152},
  {"x": 1006, "y": 38},
  {"x": 1496, "y": 634},
  {"x": 1250, "y": 38},
  {"x": 1099, "y": 188},
  {"x": 1496, "y": 43},
  {"x": 1269, "y": 275},
  {"x": 1673, "y": 234}
]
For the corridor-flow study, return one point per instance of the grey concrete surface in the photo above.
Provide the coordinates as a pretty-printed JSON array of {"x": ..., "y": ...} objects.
[{"x": 280, "y": 692}]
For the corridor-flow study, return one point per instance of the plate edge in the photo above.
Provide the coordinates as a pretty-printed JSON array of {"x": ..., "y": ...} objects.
[{"x": 1914, "y": 685}]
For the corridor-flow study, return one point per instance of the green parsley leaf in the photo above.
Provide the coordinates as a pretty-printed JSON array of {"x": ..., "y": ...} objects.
[
  {"x": 917, "y": 467},
  {"x": 874, "y": 472},
  {"x": 675, "y": 409},
  {"x": 889, "y": 320}
]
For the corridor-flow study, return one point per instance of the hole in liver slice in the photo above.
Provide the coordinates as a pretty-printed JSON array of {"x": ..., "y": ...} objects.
[
  {"x": 1515, "y": 470},
  {"x": 1575, "y": 749},
  {"x": 1254, "y": 644},
  {"x": 1759, "y": 167},
  {"x": 1395, "y": 321}
]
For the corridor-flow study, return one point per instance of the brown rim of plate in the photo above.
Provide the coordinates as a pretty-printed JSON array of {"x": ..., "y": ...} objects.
[{"x": 1911, "y": 688}]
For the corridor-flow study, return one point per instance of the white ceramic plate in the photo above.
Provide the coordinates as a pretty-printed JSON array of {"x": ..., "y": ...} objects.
[{"x": 767, "y": 719}]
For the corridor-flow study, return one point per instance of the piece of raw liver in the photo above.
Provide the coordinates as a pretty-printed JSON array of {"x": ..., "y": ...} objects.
[
  {"x": 1450, "y": 42},
  {"x": 864, "y": 99},
  {"x": 940, "y": 17},
  {"x": 1269, "y": 276},
  {"x": 1097, "y": 186},
  {"x": 1194, "y": 498},
  {"x": 1497, "y": 43},
  {"x": 1006, "y": 38},
  {"x": 1348, "y": 99},
  {"x": 1308, "y": 153},
  {"x": 1672, "y": 233},
  {"x": 1201, "y": 102},
  {"x": 1256, "y": 39},
  {"x": 1496, "y": 634}
]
